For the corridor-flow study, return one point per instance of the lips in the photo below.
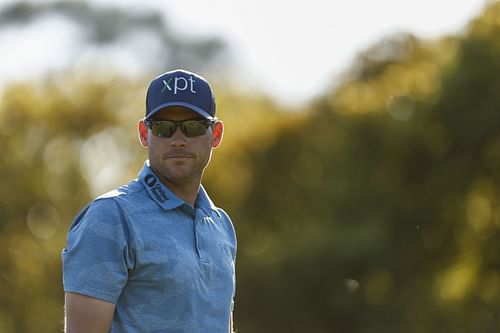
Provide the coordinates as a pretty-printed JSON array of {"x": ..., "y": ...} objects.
[{"x": 178, "y": 154}]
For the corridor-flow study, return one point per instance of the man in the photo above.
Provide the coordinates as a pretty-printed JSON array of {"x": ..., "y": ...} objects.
[{"x": 156, "y": 255}]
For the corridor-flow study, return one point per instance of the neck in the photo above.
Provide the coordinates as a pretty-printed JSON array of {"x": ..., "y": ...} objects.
[
  {"x": 185, "y": 189},
  {"x": 188, "y": 193}
]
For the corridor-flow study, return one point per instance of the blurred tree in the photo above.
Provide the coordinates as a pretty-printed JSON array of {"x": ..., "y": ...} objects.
[
  {"x": 66, "y": 140},
  {"x": 380, "y": 212},
  {"x": 43, "y": 134},
  {"x": 109, "y": 25},
  {"x": 374, "y": 210}
]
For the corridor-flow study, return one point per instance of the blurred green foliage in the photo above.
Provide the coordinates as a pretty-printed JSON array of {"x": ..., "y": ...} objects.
[{"x": 373, "y": 210}]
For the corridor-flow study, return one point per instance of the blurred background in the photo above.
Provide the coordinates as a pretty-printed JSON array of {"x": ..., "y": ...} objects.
[{"x": 360, "y": 164}]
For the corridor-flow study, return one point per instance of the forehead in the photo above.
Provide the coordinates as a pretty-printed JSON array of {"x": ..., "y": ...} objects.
[{"x": 175, "y": 113}]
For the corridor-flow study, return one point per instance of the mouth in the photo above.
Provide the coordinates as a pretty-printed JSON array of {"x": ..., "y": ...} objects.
[{"x": 178, "y": 155}]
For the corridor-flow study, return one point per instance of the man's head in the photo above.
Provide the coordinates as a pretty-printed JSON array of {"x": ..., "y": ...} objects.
[
  {"x": 181, "y": 88},
  {"x": 180, "y": 128}
]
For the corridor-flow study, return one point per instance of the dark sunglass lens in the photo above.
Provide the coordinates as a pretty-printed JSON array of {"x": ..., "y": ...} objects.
[
  {"x": 163, "y": 129},
  {"x": 194, "y": 128}
]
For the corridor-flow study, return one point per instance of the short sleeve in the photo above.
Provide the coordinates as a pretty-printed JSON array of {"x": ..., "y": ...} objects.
[{"x": 96, "y": 259}]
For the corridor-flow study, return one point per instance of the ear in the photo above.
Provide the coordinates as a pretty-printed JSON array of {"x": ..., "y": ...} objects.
[
  {"x": 217, "y": 134},
  {"x": 142, "y": 130}
]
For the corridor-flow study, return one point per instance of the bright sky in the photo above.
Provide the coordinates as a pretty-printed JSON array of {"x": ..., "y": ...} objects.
[
  {"x": 294, "y": 49},
  {"x": 291, "y": 50}
]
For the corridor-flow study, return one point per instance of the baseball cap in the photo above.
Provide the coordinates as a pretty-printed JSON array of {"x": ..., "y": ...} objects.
[{"x": 181, "y": 88}]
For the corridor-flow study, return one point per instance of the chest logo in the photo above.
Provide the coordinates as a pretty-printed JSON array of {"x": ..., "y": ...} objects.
[{"x": 155, "y": 188}]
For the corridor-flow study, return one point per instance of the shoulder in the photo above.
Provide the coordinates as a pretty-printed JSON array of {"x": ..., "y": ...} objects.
[
  {"x": 226, "y": 220},
  {"x": 222, "y": 214},
  {"x": 97, "y": 215},
  {"x": 133, "y": 188},
  {"x": 119, "y": 198},
  {"x": 106, "y": 209},
  {"x": 229, "y": 231}
]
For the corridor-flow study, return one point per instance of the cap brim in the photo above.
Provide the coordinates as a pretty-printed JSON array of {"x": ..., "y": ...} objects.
[{"x": 192, "y": 107}]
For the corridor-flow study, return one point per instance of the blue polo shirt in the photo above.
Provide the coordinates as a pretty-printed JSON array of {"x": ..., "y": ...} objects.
[{"x": 168, "y": 266}]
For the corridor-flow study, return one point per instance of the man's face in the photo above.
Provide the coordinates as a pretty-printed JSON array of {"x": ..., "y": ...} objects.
[{"x": 179, "y": 159}]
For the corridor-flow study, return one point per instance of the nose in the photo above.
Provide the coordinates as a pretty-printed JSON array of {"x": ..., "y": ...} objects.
[{"x": 178, "y": 139}]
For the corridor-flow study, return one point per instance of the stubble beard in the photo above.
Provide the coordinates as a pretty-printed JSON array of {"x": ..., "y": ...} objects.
[{"x": 179, "y": 173}]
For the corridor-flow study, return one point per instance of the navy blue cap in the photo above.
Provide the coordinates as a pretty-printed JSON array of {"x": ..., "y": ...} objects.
[{"x": 181, "y": 88}]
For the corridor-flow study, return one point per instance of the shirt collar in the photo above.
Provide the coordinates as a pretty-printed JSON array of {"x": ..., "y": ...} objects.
[
  {"x": 161, "y": 194},
  {"x": 157, "y": 190}
]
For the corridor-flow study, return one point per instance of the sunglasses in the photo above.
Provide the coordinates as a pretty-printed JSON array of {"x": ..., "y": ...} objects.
[{"x": 167, "y": 128}]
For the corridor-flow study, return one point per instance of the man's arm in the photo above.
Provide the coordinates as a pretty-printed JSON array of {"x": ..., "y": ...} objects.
[{"x": 85, "y": 314}]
